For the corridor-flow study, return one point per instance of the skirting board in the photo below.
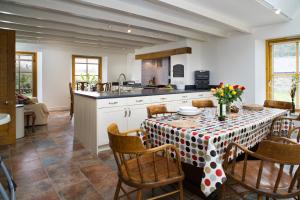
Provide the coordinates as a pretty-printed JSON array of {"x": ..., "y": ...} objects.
[{"x": 59, "y": 108}]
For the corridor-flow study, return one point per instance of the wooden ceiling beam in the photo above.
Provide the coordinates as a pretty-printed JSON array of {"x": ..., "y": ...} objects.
[{"x": 163, "y": 54}]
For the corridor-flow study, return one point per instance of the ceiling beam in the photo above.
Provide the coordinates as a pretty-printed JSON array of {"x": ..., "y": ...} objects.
[
  {"x": 70, "y": 39},
  {"x": 76, "y": 29},
  {"x": 26, "y": 28},
  {"x": 106, "y": 49},
  {"x": 32, "y": 13},
  {"x": 134, "y": 7},
  {"x": 202, "y": 11},
  {"x": 101, "y": 14}
]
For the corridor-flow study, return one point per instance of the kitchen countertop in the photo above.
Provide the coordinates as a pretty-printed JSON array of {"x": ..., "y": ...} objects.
[{"x": 133, "y": 93}]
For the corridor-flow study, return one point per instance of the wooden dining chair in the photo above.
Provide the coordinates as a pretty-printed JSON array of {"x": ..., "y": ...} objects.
[
  {"x": 156, "y": 110},
  {"x": 144, "y": 168},
  {"x": 72, "y": 101},
  {"x": 278, "y": 104},
  {"x": 203, "y": 103},
  {"x": 265, "y": 173},
  {"x": 282, "y": 126}
]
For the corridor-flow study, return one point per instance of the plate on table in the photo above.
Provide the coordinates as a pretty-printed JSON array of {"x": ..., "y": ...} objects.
[{"x": 189, "y": 113}]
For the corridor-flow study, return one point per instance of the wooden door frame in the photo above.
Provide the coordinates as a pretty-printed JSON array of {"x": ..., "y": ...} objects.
[
  {"x": 8, "y": 102},
  {"x": 34, "y": 70},
  {"x": 82, "y": 56}
]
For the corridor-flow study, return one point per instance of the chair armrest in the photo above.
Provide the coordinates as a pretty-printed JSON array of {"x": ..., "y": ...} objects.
[{"x": 285, "y": 140}]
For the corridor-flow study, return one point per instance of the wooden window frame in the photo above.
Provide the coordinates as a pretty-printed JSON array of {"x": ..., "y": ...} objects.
[
  {"x": 87, "y": 57},
  {"x": 269, "y": 64},
  {"x": 34, "y": 69}
]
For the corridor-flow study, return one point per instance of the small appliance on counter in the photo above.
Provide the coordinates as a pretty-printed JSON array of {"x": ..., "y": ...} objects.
[{"x": 202, "y": 79}]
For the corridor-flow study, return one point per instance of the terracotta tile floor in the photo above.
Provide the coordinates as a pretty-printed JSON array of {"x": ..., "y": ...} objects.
[{"x": 49, "y": 164}]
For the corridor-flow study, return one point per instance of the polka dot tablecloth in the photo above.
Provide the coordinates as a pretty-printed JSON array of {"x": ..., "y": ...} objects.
[{"x": 205, "y": 144}]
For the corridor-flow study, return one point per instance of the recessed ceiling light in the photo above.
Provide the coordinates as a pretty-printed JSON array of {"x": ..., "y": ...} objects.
[
  {"x": 129, "y": 29},
  {"x": 277, "y": 11},
  {"x": 109, "y": 26}
]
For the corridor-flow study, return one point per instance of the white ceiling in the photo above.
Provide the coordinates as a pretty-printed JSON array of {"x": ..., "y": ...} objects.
[{"x": 104, "y": 23}]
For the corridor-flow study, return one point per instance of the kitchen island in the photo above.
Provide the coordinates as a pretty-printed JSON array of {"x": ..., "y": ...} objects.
[{"x": 94, "y": 111}]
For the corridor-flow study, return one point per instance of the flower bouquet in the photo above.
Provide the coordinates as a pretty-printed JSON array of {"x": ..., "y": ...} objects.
[{"x": 227, "y": 94}]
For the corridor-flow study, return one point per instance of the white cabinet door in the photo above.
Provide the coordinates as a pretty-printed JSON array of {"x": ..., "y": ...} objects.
[
  {"x": 106, "y": 116},
  {"x": 136, "y": 115}
]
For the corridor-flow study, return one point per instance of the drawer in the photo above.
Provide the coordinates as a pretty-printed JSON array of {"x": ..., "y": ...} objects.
[
  {"x": 163, "y": 98},
  {"x": 139, "y": 100},
  {"x": 107, "y": 103},
  {"x": 201, "y": 95}
]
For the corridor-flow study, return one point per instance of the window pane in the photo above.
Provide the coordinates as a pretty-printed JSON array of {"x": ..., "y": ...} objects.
[
  {"x": 80, "y": 60},
  {"x": 26, "y": 66},
  {"x": 93, "y": 60},
  {"x": 80, "y": 69},
  {"x": 281, "y": 88},
  {"x": 17, "y": 81},
  {"x": 284, "y": 58},
  {"x": 79, "y": 78},
  {"x": 26, "y": 57},
  {"x": 26, "y": 83},
  {"x": 93, "y": 69}
]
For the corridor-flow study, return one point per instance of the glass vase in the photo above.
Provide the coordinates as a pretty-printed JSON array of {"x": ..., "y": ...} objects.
[{"x": 221, "y": 111}]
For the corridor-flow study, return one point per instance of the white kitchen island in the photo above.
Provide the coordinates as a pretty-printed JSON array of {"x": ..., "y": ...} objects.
[{"x": 94, "y": 111}]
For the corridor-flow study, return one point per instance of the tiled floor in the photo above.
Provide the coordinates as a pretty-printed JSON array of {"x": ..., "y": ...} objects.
[{"x": 49, "y": 164}]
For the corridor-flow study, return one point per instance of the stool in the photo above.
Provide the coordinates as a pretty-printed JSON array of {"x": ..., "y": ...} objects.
[{"x": 27, "y": 115}]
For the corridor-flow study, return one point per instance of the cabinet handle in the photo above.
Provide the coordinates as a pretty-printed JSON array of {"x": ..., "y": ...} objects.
[
  {"x": 184, "y": 101},
  {"x": 200, "y": 95},
  {"x": 184, "y": 96},
  {"x": 112, "y": 103},
  {"x": 163, "y": 98},
  {"x": 138, "y": 101},
  {"x": 125, "y": 113},
  {"x": 129, "y": 113}
]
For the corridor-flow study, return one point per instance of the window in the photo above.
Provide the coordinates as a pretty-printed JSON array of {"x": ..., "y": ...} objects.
[
  {"x": 282, "y": 67},
  {"x": 86, "y": 68},
  {"x": 26, "y": 73}
]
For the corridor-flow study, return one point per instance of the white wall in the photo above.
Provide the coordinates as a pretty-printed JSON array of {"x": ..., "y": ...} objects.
[
  {"x": 55, "y": 69},
  {"x": 200, "y": 59},
  {"x": 234, "y": 63}
]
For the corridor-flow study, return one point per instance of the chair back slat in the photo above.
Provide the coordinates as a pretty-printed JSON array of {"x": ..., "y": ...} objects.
[
  {"x": 168, "y": 164},
  {"x": 234, "y": 159},
  {"x": 295, "y": 178},
  {"x": 245, "y": 167},
  {"x": 261, "y": 165},
  {"x": 155, "y": 167},
  {"x": 279, "y": 175},
  {"x": 140, "y": 167}
]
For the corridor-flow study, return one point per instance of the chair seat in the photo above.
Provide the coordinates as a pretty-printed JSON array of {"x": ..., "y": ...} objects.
[
  {"x": 147, "y": 171},
  {"x": 268, "y": 177}
]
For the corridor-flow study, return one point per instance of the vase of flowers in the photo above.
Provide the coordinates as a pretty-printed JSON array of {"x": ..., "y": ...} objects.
[{"x": 226, "y": 95}]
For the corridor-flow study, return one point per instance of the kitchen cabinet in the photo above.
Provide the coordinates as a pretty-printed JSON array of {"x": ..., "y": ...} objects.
[
  {"x": 92, "y": 116},
  {"x": 105, "y": 117}
]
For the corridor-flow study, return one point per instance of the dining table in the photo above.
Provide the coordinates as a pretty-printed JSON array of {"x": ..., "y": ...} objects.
[{"x": 202, "y": 139}]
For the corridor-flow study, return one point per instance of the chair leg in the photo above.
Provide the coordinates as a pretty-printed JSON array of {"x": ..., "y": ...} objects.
[
  {"x": 181, "y": 191},
  {"x": 259, "y": 197},
  {"x": 116, "y": 197},
  {"x": 139, "y": 195}
]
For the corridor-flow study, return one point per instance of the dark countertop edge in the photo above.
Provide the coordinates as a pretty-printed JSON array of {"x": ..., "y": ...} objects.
[{"x": 155, "y": 92}]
